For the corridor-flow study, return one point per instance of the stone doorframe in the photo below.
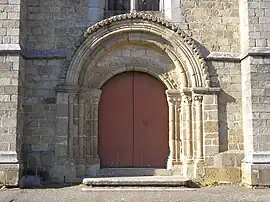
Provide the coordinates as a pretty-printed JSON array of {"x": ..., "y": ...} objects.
[{"x": 189, "y": 93}]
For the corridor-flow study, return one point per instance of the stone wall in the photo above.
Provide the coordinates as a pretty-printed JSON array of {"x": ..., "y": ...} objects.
[
  {"x": 230, "y": 106},
  {"x": 11, "y": 93},
  {"x": 58, "y": 25},
  {"x": 214, "y": 24},
  {"x": 55, "y": 29},
  {"x": 41, "y": 79},
  {"x": 225, "y": 153},
  {"x": 55, "y": 24},
  {"x": 96, "y": 11},
  {"x": 10, "y": 21}
]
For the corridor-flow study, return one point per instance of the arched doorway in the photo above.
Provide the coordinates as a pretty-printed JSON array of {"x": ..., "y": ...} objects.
[{"x": 133, "y": 122}]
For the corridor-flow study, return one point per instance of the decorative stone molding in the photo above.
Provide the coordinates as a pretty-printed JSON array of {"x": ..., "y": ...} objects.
[
  {"x": 8, "y": 157},
  {"x": 10, "y": 48},
  {"x": 255, "y": 51},
  {"x": 257, "y": 157},
  {"x": 221, "y": 56},
  {"x": 44, "y": 54},
  {"x": 181, "y": 49}
]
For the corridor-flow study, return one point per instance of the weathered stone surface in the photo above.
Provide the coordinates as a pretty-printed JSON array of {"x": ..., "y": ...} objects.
[
  {"x": 216, "y": 175},
  {"x": 228, "y": 159},
  {"x": 9, "y": 174},
  {"x": 36, "y": 117}
]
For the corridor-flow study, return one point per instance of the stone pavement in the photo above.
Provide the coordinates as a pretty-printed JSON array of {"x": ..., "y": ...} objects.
[
  {"x": 70, "y": 194},
  {"x": 138, "y": 181}
]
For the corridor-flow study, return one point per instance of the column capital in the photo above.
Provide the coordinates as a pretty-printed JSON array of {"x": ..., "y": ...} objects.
[
  {"x": 187, "y": 99},
  {"x": 67, "y": 89},
  {"x": 91, "y": 95},
  {"x": 198, "y": 99},
  {"x": 177, "y": 101},
  {"x": 173, "y": 96}
]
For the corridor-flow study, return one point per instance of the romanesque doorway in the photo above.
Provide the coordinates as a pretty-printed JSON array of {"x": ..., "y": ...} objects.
[{"x": 133, "y": 122}]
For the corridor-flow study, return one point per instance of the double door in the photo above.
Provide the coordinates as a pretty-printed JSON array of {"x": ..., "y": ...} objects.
[{"x": 133, "y": 122}]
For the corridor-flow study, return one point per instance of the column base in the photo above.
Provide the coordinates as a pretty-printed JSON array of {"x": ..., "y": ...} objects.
[
  {"x": 92, "y": 170},
  {"x": 9, "y": 169},
  {"x": 9, "y": 174},
  {"x": 255, "y": 175},
  {"x": 61, "y": 174},
  {"x": 199, "y": 169},
  {"x": 169, "y": 163}
]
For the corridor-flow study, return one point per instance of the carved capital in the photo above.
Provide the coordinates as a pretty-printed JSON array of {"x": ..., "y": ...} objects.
[
  {"x": 173, "y": 97},
  {"x": 170, "y": 99},
  {"x": 187, "y": 100},
  {"x": 177, "y": 103},
  {"x": 91, "y": 96},
  {"x": 95, "y": 97},
  {"x": 198, "y": 99},
  {"x": 72, "y": 96}
]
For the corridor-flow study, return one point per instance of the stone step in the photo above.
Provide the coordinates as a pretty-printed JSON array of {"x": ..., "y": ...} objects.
[
  {"x": 146, "y": 181},
  {"x": 129, "y": 172}
]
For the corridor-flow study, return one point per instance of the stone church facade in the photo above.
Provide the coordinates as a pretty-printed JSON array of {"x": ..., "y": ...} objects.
[{"x": 179, "y": 85}]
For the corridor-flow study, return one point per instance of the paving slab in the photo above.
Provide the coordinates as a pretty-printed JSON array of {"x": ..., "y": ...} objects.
[{"x": 138, "y": 181}]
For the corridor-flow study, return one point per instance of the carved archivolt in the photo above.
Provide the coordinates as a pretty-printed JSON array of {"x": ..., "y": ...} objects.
[
  {"x": 166, "y": 24},
  {"x": 143, "y": 28}
]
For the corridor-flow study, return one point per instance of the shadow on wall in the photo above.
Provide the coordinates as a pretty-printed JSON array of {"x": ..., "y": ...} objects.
[{"x": 223, "y": 101}]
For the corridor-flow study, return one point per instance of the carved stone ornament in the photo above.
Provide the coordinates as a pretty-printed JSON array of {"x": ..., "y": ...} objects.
[
  {"x": 198, "y": 98},
  {"x": 166, "y": 24}
]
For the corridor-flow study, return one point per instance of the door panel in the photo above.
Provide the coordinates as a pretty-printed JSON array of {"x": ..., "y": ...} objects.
[
  {"x": 150, "y": 122},
  {"x": 133, "y": 122},
  {"x": 116, "y": 122}
]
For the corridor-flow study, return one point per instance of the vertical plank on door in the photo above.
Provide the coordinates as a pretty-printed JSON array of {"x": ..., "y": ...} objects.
[
  {"x": 150, "y": 122},
  {"x": 116, "y": 122}
]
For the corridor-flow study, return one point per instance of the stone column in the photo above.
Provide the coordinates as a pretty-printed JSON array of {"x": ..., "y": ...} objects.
[
  {"x": 173, "y": 98},
  {"x": 71, "y": 98},
  {"x": 95, "y": 95},
  {"x": 88, "y": 160},
  {"x": 80, "y": 146},
  {"x": 177, "y": 140},
  {"x": 88, "y": 143},
  {"x": 171, "y": 131},
  {"x": 188, "y": 126},
  {"x": 199, "y": 127}
]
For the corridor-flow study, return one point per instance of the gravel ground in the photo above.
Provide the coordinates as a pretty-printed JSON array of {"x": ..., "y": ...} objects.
[{"x": 220, "y": 193}]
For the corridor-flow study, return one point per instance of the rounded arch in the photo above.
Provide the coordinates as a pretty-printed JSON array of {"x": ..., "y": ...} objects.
[
  {"x": 165, "y": 82},
  {"x": 141, "y": 28},
  {"x": 98, "y": 71}
]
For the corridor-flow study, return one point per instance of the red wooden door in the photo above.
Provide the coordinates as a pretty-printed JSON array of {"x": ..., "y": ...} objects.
[
  {"x": 133, "y": 122},
  {"x": 116, "y": 122},
  {"x": 151, "y": 147}
]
